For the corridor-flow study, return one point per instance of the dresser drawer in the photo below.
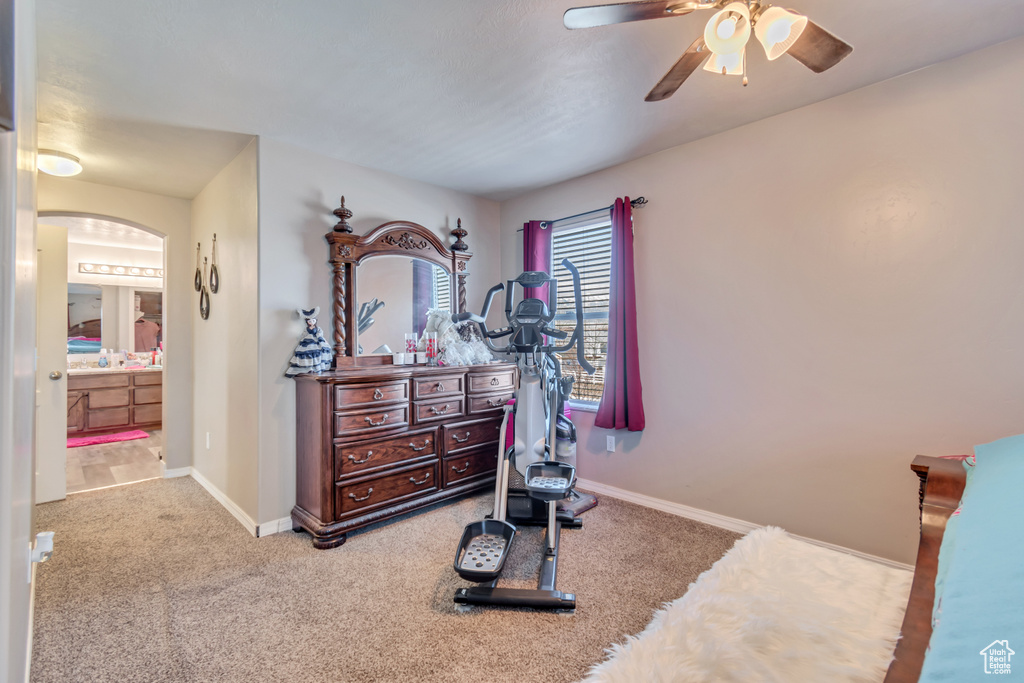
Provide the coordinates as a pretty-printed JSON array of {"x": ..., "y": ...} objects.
[
  {"x": 459, "y": 467},
  {"x": 108, "y": 398},
  {"x": 488, "y": 404},
  {"x": 441, "y": 409},
  {"x": 358, "y": 458},
  {"x": 152, "y": 394},
  {"x": 351, "y": 395},
  {"x": 111, "y": 417},
  {"x": 148, "y": 377},
  {"x": 437, "y": 387},
  {"x": 386, "y": 490},
  {"x": 467, "y": 435},
  {"x": 361, "y": 422},
  {"x": 98, "y": 381},
  {"x": 484, "y": 382}
]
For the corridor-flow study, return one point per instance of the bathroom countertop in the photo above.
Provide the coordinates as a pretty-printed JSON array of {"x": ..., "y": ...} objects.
[{"x": 93, "y": 371}]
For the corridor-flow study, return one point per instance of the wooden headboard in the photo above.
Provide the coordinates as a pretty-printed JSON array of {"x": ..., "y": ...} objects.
[
  {"x": 942, "y": 485},
  {"x": 86, "y": 328}
]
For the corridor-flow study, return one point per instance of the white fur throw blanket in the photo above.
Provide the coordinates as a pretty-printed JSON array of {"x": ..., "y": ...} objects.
[{"x": 772, "y": 609}]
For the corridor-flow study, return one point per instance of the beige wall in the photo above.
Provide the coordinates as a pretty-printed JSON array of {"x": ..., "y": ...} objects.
[
  {"x": 171, "y": 218},
  {"x": 821, "y": 296},
  {"x": 224, "y": 346},
  {"x": 17, "y": 349},
  {"x": 298, "y": 191}
]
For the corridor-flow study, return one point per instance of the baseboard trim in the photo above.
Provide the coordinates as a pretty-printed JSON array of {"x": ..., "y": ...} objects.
[
  {"x": 175, "y": 472},
  {"x": 229, "y": 504},
  {"x": 275, "y": 526},
  {"x": 714, "y": 519}
]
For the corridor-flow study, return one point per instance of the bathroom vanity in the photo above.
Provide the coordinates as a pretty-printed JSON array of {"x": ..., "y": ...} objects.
[{"x": 106, "y": 401}]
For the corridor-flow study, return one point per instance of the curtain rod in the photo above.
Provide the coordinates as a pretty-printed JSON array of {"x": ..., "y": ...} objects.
[{"x": 635, "y": 203}]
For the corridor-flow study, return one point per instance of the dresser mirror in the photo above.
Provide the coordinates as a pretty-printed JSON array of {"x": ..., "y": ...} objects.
[
  {"x": 395, "y": 292},
  {"x": 400, "y": 263}
]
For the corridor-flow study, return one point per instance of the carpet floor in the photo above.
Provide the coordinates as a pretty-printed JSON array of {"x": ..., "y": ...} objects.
[{"x": 157, "y": 582}]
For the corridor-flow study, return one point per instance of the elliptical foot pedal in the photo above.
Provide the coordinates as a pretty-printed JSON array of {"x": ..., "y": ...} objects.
[
  {"x": 483, "y": 549},
  {"x": 549, "y": 480}
]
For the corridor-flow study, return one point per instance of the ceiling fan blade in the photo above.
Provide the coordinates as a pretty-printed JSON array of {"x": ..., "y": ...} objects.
[
  {"x": 603, "y": 15},
  {"x": 819, "y": 50},
  {"x": 680, "y": 71}
]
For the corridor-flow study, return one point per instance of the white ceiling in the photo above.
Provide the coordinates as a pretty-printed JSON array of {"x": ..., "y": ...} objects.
[
  {"x": 102, "y": 233},
  {"x": 489, "y": 97}
]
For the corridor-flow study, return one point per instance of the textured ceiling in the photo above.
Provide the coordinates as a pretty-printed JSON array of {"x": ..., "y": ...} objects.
[{"x": 489, "y": 97}]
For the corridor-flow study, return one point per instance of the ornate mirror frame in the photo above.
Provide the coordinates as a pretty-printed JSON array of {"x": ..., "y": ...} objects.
[{"x": 396, "y": 238}]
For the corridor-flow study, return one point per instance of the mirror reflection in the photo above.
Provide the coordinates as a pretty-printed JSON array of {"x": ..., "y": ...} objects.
[
  {"x": 407, "y": 288},
  {"x": 113, "y": 317}
]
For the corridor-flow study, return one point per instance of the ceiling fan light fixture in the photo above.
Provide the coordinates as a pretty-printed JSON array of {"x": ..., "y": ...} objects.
[
  {"x": 56, "y": 163},
  {"x": 777, "y": 29},
  {"x": 728, "y": 30},
  {"x": 734, "y": 64}
]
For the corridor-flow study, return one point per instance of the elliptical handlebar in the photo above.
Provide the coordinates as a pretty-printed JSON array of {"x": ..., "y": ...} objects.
[
  {"x": 535, "y": 278},
  {"x": 481, "y": 320},
  {"x": 577, "y": 334}
]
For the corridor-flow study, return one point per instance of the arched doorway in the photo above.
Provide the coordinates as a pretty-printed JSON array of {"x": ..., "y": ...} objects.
[{"x": 109, "y": 404}]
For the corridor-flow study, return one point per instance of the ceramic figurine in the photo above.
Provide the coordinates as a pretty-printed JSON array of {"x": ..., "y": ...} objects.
[{"x": 313, "y": 354}]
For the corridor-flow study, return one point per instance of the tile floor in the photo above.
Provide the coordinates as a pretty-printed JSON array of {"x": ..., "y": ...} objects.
[{"x": 109, "y": 464}]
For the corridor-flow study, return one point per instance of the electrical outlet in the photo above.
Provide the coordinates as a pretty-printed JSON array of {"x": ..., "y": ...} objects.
[
  {"x": 207, "y": 440},
  {"x": 610, "y": 443}
]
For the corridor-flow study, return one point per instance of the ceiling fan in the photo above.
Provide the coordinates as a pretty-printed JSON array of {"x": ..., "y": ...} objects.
[{"x": 725, "y": 37}]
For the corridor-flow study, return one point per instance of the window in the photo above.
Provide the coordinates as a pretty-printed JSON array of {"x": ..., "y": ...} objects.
[
  {"x": 589, "y": 247},
  {"x": 441, "y": 288}
]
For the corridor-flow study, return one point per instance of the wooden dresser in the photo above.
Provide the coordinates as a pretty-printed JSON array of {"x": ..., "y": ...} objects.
[
  {"x": 375, "y": 442},
  {"x": 114, "y": 401}
]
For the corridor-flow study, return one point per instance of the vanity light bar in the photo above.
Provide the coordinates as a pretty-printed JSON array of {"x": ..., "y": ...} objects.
[{"x": 130, "y": 271}]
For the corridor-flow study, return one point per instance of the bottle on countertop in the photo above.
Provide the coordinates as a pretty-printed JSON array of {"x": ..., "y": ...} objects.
[{"x": 103, "y": 362}]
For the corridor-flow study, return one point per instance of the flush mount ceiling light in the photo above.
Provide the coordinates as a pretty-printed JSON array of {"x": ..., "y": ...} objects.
[
  {"x": 107, "y": 269},
  {"x": 58, "y": 163},
  {"x": 726, "y": 35}
]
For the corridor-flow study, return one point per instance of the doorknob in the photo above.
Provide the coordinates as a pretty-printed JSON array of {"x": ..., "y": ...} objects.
[{"x": 56, "y": 374}]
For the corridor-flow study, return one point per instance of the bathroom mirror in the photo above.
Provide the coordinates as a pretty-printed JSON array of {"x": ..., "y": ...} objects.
[
  {"x": 407, "y": 287},
  {"x": 85, "y": 318}
]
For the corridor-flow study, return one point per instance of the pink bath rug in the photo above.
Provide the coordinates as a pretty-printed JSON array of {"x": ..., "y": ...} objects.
[{"x": 75, "y": 442}]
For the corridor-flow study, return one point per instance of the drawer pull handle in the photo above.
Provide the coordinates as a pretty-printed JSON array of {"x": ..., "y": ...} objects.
[
  {"x": 496, "y": 404},
  {"x": 378, "y": 394},
  {"x": 426, "y": 442},
  {"x": 494, "y": 381},
  {"x": 383, "y": 419},
  {"x": 360, "y": 500},
  {"x": 440, "y": 411},
  {"x": 421, "y": 481},
  {"x": 359, "y": 462},
  {"x": 439, "y": 387},
  {"x": 458, "y": 471},
  {"x": 463, "y": 440}
]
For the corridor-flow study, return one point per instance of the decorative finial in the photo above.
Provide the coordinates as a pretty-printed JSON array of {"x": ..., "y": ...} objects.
[
  {"x": 459, "y": 234},
  {"x": 343, "y": 215}
]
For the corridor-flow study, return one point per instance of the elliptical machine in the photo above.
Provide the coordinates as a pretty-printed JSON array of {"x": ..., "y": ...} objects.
[{"x": 531, "y": 478}]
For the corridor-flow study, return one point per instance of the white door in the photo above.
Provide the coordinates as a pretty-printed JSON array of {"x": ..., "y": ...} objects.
[{"x": 51, "y": 365}]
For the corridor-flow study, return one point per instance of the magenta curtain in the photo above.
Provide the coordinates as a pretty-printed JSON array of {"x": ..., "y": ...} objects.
[
  {"x": 536, "y": 255},
  {"x": 622, "y": 403}
]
